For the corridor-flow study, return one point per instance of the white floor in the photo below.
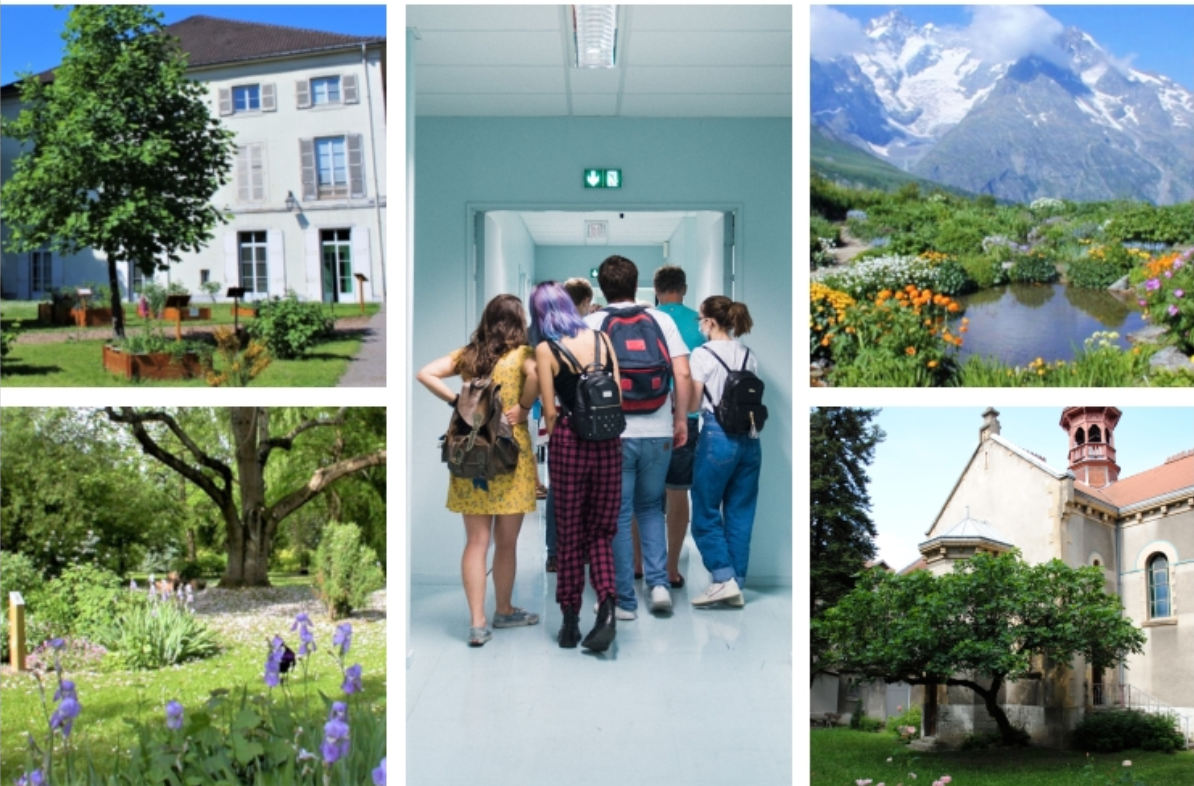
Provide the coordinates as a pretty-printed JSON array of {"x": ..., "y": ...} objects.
[{"x": 703, "y": 696}]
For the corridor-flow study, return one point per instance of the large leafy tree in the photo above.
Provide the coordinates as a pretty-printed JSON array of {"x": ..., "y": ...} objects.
[
  {"x": 122, "y": 154},
  {"x": 994, "y": 619},
  {"x": 232, "y": 456},
  {"x": 842, "y": 446}
]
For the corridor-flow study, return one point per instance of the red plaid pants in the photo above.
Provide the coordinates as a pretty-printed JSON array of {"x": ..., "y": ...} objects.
[{"x": 586, "y": 483}]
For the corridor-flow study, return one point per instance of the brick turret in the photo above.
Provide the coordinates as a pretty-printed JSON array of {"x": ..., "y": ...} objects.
[{"x": 1092, "y": 444}]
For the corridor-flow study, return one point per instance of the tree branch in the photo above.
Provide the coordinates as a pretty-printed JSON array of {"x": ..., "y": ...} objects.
[
  {"x": 285, "y": 443},
  {"x": 323, "y": 477},
  {"x": 131, "y": 417}
]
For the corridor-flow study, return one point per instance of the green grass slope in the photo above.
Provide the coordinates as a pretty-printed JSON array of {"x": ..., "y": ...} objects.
[{"x": 845, "y": 163}]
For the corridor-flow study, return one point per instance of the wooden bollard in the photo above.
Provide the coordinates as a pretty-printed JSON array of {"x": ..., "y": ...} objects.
[{"x": 16, "y": 631}]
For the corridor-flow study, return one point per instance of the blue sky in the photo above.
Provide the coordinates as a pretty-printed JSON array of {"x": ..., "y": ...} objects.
[
  {"x": 1156, "y": 38},
  {"x": 927, "y": 449},
  {"x": 30, "y": 35}
]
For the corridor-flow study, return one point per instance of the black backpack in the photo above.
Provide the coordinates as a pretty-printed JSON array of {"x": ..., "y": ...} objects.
[
  {"x": 643, "y": 359},
  {"x": 597, "y": 415},
  {"x": 479, "y": 443},
  {"x": 741, "y": 409}
]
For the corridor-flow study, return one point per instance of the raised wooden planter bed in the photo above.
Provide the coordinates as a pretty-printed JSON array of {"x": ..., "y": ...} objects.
[
  {"x": 156, "y": 365},
  {"x": 243, "y": 311},
  {"x": 91, "y": 317},
  {"x": 183, "y": 314},
  {"x": 55, "y": 314}
]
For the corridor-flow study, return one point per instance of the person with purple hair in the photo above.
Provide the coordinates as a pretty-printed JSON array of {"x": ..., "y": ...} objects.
[{"x": 586, "y": 476}]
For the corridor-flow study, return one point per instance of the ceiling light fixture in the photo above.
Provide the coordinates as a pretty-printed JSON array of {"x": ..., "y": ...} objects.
[{"x": 596, "y": 28}]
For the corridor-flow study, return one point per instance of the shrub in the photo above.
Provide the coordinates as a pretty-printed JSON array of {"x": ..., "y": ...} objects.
[
  {"x": 889, "y": 272},
  {"x": 346, "y": 570},
  {"x": 1033, "y": 268},
  {"x": 984, "y": 271},
  {"x": 80, "y": 601},
  {"x": 908, "y": 718},
  {"x": 8, "y": 337},
  {"x": 1100, "y": 363},
  {"x": 860, "y": 721},
  {"x": 1093, "y": 273},
  {"x": 1119, "y": 730},
  {"x": 953, "y": 280},
  {"x": 154, "y": 634},
  {"x": 289, "y": 326},
  {"x": 1168, "y": 297}
]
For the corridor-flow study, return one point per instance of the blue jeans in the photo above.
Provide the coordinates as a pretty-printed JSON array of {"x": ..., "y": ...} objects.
[
  {"x": 725, "y": 491},
  {"x": 644, "y": 469}
]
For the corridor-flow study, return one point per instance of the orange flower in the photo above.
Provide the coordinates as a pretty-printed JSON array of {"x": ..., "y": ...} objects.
[
  {"x": 910, "y": 351},
  {"x": 953, "y": 308},
  {"x": 932, "y": 364},
  {"x": 825, "y": 341}
]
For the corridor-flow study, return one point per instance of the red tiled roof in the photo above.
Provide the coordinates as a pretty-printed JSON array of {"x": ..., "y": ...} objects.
[
  {"x": 1176, "y": 473},
  {"x": 209, "y": 40},
  {"x": 920, "y": 564}
]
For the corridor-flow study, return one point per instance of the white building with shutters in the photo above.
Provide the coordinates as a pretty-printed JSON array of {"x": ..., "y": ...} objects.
[{"x": 307, "y": 197}]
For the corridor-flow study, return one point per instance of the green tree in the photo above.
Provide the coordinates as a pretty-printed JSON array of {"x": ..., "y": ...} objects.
[
  {"x": 994, "y": 619},
  {"x": 121, "y": 152},
  {"x": 228, "y": 454},
  {"x": 842, "y": 445}
]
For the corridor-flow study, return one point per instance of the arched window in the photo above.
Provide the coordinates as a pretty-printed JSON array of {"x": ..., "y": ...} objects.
[
  {"x": 1158, "y": 587},
  {"x": 1079, "y": 438},
  {"x": 1095, "y": 436}
]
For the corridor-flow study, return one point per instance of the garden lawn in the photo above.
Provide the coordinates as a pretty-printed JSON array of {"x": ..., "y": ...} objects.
[
  {"x": 109, "y": 698},
  {"x": 26, "y": 312},
  {"x": 841, "y": 756},
  {"x": 80, "y": 364}
]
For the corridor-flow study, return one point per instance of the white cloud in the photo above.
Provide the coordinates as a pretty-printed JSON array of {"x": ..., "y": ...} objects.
[
  {"x": 1006, "y": 33},
  {"x": 834, "y": 34}
]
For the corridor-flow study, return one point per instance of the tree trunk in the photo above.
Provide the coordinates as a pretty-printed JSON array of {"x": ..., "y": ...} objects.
[
  {"x": 248, "y": 532},
  {"x": 989, "y": 697},
  {"x": 191, "y": 555},
  {"x": 117, "y": 309}
]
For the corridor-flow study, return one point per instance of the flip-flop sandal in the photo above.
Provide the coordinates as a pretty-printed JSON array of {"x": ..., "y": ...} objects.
[
  {"x": 519, "y": 618},
  {"x": 478, "y": 636},
  {"x": 677, "y": 583}
]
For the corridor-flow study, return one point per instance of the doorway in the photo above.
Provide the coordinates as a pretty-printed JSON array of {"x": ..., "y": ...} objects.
[{"x": 336, "y": 269}]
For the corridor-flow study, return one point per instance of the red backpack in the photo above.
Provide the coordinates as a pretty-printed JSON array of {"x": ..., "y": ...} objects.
[{"x": 643, "y": 360}]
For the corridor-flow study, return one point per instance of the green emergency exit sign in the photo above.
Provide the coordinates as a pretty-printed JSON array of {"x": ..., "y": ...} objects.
[{"x": 603, "y": 178}]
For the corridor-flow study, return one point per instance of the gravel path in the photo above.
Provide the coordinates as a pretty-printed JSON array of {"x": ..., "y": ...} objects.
[
  {"x": 843, "y": 254},
  {"x": 343, "y": 324},
  {"x": 368, "y": 368}
]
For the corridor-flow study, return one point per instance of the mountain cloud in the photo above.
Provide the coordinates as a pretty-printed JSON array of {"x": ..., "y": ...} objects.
[
  {"x": 834, "y": 34},
  {"x": 1007, "y": 33}
]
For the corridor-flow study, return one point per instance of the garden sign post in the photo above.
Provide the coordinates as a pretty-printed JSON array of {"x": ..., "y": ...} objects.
[{"x": 16, "y": 631}]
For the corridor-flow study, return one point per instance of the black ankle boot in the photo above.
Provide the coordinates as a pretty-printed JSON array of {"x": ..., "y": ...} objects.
[
  {"x": 602, "y": 634},
  {"x": 570, "y": 631}
]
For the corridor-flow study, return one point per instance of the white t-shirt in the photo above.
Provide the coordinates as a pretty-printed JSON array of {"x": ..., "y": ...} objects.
[
  {"x": 659, "y": 422},
  {"x": 706, "y": 369}
]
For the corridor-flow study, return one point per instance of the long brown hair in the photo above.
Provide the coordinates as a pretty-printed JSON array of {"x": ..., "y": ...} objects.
[
  {"x": 729, "y": 315},
  {"x": 503, "y": 328}
]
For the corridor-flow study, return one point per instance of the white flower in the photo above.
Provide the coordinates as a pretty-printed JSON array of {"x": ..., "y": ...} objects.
[{"x": 1127, "y": 762}]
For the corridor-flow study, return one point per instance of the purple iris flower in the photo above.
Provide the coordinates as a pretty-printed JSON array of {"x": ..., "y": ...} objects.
[
  {"x": 339, "y": 711},
  {"x": 302, "y": 619},
  {"x": 352, "y": 680},
  {"x": 379, "y": 775},
  {"x": 273, "y": 662},
  {"x": 335, "y": 741},
  {"x": 34, "y": 778},
  {"x": 56, "y": 643},
  {"x": 343, "y": 637},
  {"x": 308, "y": 642},
  {"x": 68, "y": 708},
  {"x": 173, "y": 715}
]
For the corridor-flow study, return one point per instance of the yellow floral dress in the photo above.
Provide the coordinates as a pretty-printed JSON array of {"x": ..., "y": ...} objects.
[{"x": 513, "y": 493}]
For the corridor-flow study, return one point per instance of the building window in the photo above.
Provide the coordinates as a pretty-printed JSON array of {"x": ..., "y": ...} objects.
[
  {"x": 138, "y": 278},
  {"x": 40, "y": 268},
  {"x": 331, "y": 165},
  {"x": 337, "y": 263},
  {"x": 246, "y": 98},
  {"x": 1158, "y": 587},
  {"x": 325, "y": 90},
  {"x": 254, "y": 277},
  {"x": 204, "y": 276}
]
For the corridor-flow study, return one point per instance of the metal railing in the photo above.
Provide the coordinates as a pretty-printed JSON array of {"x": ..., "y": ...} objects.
[{"x": 1129, "y": 697}]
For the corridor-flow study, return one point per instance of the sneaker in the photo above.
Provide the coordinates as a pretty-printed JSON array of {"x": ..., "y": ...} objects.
[
  {"x": 516, "y": 619},
  {"x": 661, "y": 600},
  {"x": 620, "y": 613},
  {"x": 738, "y": 601},
  {"x": 726, "y": 591},
  {"x": 478, "y": 636}
]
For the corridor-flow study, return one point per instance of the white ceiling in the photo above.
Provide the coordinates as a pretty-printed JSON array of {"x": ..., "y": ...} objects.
[
  {"x": 562, "y": 228},
  {"x": 673, "y": 61}
]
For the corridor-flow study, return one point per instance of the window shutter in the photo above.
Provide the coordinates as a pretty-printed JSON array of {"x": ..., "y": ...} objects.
[
  {"x": 314, "y": 284},
  {"x": 361, "y": 261},
  {"x": 225, "y": 101},
  {"x": 25, "y": 278},
  {"x": 243, "y": 191},
  {"x": 348, "y": 87},
  {"x": 356, "y": 166},
  {"x": 269, "y": 101},
  {"x": 302, "y": 89},
  {"x": 257, "y": 171},
  {"x": 307, "y": 163},
  {"x": 275, "y": 262},
  {"x": 231, "y": 260}
]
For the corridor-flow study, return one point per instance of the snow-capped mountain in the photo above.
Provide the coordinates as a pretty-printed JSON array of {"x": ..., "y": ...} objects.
[{"x": 1072, "y": 122}]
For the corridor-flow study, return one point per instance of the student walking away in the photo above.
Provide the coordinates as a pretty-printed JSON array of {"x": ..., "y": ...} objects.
[
  {"x": 650, "y": 355},
  {"x": 577, "y": 367},
  {"x": 581, "y": 293},
  {"x": 728, "y": 393},
  {"x": 492, "y": 501},
  {"x": 671, "y": 286}
]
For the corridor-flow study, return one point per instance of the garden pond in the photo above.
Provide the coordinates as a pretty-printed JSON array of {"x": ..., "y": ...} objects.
[{"x": 1018, "y": 323}]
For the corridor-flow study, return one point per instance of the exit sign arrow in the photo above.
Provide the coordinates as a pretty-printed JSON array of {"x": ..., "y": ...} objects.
[
  {"x": 593, "y": 178},
  {"x": 603, "y": 178}
]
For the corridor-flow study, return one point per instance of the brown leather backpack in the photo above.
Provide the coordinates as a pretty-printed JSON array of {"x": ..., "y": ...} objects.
[{"x": 479, "y": 443}]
